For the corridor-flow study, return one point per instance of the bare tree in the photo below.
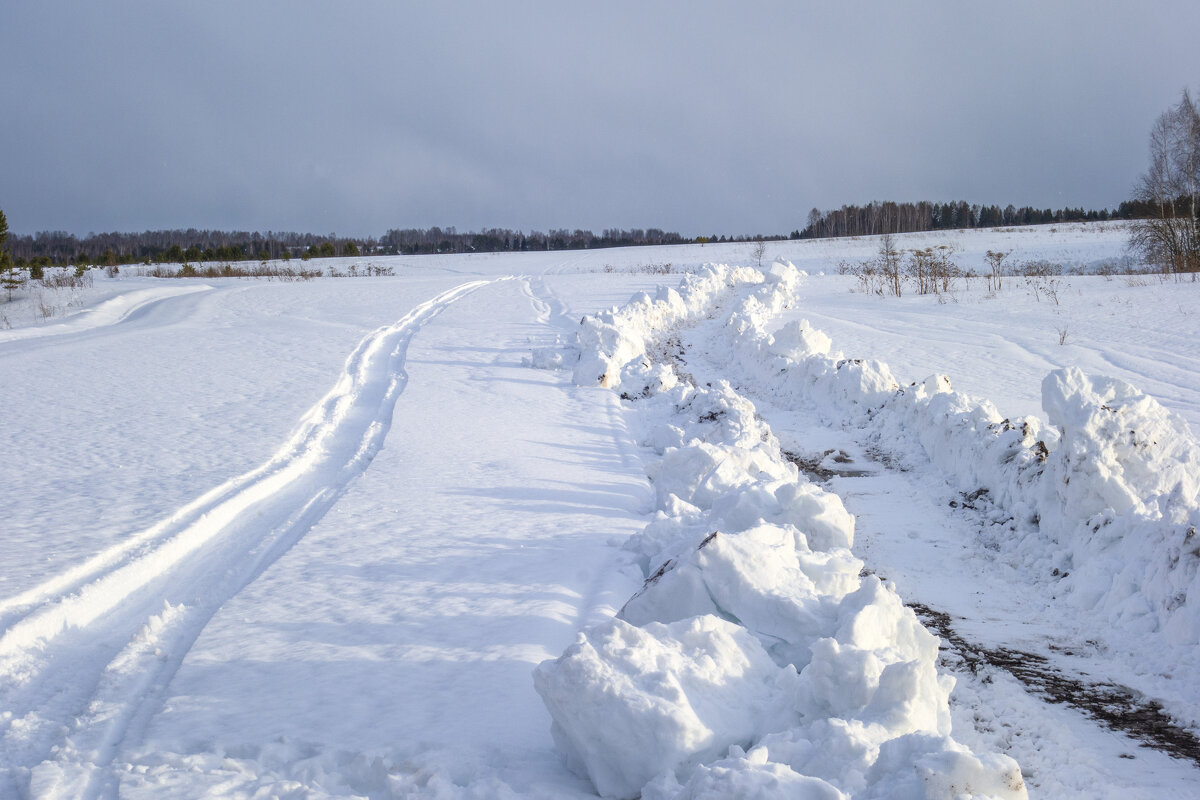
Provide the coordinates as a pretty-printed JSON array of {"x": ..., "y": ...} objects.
[
  {"x": 889, "y": 263},
  {"x": 1170, "y": 238},
  {"x": 758, "y": 251}
]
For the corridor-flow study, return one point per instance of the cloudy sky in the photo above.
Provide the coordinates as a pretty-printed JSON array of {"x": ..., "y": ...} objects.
[{"x": 698, "y": 117}]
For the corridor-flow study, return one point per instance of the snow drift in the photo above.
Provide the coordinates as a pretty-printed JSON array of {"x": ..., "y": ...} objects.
[
  {"x": 757, "y": 660},
  {"x": 1105, "y": 499}
]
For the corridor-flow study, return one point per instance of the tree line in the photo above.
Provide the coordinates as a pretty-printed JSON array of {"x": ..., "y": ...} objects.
[
  {"x": 414, "y": 241},
  {"x": 195, "y": 246},
  {"x": 877, "y": 218},
  {"x": 198, "y": 246},
  {"x": 172, "y": 246}
]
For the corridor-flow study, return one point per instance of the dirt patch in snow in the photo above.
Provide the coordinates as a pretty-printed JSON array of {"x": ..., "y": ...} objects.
[
  {"x": 820, "y": 467},
  {"x": 1117, "y": 707}
]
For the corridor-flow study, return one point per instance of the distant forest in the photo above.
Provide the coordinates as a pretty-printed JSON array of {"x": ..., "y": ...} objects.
[
  {"x": 887, "y": 217},
  {"x": 196, "y": 246},
  {"x": 176, "y": 246}
]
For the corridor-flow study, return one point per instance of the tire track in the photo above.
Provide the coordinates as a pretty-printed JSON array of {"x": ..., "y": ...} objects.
[
  {"x": 1114, "y": 706},
  {"x": 85, "y": 658}
]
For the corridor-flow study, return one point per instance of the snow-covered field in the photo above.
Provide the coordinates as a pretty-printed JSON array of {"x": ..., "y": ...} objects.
[{"x": 375, "y": 536}]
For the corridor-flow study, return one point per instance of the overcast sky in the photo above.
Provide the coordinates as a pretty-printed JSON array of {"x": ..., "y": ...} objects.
[{"x": 356, "y": 117}]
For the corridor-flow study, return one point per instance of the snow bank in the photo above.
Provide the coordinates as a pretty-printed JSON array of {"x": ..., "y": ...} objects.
[
  {"x": 1105, "y": 499},
  {"x": 613, "y": 338},
  {"x": 1122, "y": 491},
  {"x": 757, "y": 660}
]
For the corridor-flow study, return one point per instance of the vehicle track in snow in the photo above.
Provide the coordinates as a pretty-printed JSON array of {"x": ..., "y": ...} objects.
[
  {"x": 610, "y": 588},
  {"x": 1114, "y": 706},
  {"x": 86, "y": 656},
  {"x": 1117, "y": 707}
]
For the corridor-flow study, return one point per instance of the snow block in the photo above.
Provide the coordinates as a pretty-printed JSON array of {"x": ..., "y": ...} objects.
[
  {"x": 1121, "y": 498},
  {"x": 608, "y": 341},
  {"x": 751, "y": 777},
  {"x": 701, "y": 473},
  {"x": 632, "y": 703},
  {"x": 1120, "y": 449},
  {"x": 798, "y": 340},
  {"x": 766, "y": 578},
  {"x": 922, "y": 767}
]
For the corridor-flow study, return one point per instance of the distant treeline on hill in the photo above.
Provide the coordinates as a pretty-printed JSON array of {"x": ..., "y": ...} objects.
[
  {"x": 195, "y": 246},
  {"x": 58, "y": 247},
  {"x": 887, "y": 217}
]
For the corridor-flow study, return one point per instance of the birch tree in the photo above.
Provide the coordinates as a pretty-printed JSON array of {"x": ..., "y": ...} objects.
[{"x": 1169, "y": 238}]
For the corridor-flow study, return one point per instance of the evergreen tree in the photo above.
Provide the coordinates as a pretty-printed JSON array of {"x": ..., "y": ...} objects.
[
  {"x": 5, "y": 258},
  {"x": 10, "y": 281}
]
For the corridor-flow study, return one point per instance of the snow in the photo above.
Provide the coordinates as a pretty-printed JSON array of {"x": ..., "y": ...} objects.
[
  {"x": 846, "y": 653},
  {"x": 377, "y": 536}
]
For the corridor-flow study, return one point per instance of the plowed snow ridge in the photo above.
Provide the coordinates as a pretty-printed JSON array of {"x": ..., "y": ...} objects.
[{"x": 87, "y": 650}]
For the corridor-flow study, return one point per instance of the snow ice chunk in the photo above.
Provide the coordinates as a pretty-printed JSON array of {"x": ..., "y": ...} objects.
[
  {"x": 765, "y": 578},
  {"x": 544, "y": 358},
  {"x": 631, "y": 703},
  {"x": 922, "y": 767},
  {"x": 936, "y": 384},
  {"x": 640, "y": 378},
  {"x": 1120, "y": 497},
  {"x": 836, "y": 750},
  {"x": 820, "y": 514},
  {"x": 1120, "y": 449},
  {"x": 874, "y": 617},
  {"x": 866, "y": 382},
  {"x": 702, "y": 472},
  {"x": 881, "y": 667},
  {"x": 798, "y": 340},
  {"x": 745, "y": 778},
  {"x": 751, "y": 506}
]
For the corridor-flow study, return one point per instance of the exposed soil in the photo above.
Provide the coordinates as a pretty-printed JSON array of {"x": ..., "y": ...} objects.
[
  {"x": 820, "y": 467},
  {"x": 1117, "y": 707},
  {"x": 670, "y": 350}
]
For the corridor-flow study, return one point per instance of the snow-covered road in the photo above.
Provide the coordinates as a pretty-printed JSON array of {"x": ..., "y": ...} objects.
[{"x": 470, "y": 550}]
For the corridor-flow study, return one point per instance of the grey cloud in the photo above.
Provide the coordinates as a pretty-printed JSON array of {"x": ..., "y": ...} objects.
[{"x": 696, "y": 117}]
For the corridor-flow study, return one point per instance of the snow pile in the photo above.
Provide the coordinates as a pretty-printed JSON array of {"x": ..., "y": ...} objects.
[
  {"x": 1105, "y": 499},
  {"x": 613, "y": 338},
  {"x": 757, "y": 660},
  {"x": 1123, "y": 491}
]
